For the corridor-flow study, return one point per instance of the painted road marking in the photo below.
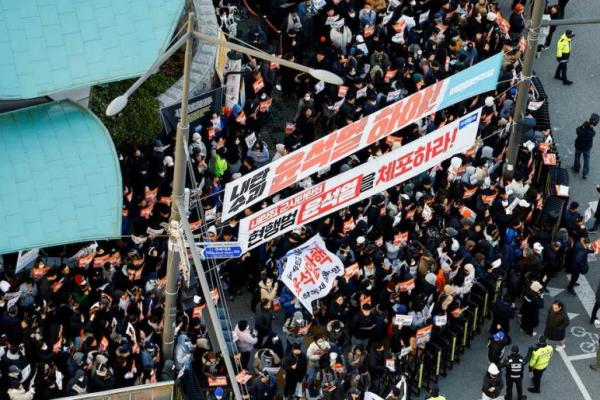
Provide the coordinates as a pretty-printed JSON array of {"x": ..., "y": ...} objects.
[
  {"x": 572, "y": 315},
  {"x": 584, "y": 356},
  {"x": 589, "y": 345},
  {"x": 585, "y": 293},
  {"x": 575, "y": 376},
  {"x": 554, "y": 291}
]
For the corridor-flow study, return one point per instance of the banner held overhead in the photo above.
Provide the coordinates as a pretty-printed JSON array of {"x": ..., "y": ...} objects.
[
  {"x": 310, "y": 271},
  {"x": 360, "y": 183},
  {"x": 272, "y": 178}
]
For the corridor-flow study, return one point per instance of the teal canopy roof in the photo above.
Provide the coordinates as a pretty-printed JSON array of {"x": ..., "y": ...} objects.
[
  {"x": 60, "y": 180},
  {"x": 48, "y": 46}
]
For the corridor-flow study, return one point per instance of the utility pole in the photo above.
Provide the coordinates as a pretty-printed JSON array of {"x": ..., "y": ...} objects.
[
  {"x": 523, "y": 89},
  {"x": 168, "y": 336}
]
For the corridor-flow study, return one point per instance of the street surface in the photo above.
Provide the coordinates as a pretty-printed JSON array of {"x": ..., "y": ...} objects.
[{"x": 568, "y": 376}]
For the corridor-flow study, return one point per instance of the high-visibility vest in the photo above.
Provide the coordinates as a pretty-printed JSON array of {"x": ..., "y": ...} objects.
[
  {"x": 540, "y": 358},
  {"x": 563, "y": 46}
]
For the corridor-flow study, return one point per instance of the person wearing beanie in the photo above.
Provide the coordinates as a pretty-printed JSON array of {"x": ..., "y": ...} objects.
[
  {"x": 540, "y": 358},
  {"x": 515, "y": 367},
  {"x": 492, "y": 384}
]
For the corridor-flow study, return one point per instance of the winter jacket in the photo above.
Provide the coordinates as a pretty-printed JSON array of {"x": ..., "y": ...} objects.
[
  {"x": 294, "y": 374},
  {"x": 585, "y": 137},
  {"x": 312, "y": 353},
  {"x": 490, "y": 382},
  {"x": 556, "y": 325},
  {"x": 563, "y": 47},
  {"x": 245, "y": 339},
  {"x": 579, "y": 261},
  {"x": 342, "y": 39}
]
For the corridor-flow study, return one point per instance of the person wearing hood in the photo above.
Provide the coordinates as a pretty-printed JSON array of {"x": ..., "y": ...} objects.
[
  {"x": 197, "y": 143},
  {"x": 168, "y": 371},
  {"x": 280, "y": 151},
  {"x": 183, "y": 352},
  {"x": 530, "y": 310},
  {"x": 78, "y": 384},
  {"x": 341, "y": 36},
  {"x": 492, "y": 384}
]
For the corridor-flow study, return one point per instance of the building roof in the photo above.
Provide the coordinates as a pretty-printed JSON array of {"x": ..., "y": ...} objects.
[
  {"x": 61, "y": 181},
  {"x": 47, "y": 46}
]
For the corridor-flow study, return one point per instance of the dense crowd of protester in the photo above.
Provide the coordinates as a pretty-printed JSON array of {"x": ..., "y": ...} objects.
[{"x": 420, "y": 247}]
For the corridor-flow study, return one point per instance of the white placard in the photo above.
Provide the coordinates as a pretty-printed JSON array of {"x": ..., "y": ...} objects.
[
  {"x": 403, "y": 320},
  {"x": 26, "y": 259},
  {"x": 440, "y": 320},
  {"x": 310, "y": 271},
  {"x": 319, "y": 86}
]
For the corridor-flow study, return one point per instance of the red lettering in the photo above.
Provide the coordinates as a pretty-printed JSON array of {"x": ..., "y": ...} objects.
[
  {"x": 430, "y": 97},
  {"x": 348, "y": 139},
  {"x": 286, "y": 172},
  {"x": 401, "y": 118},
  {"x": 380, "y": 123}
]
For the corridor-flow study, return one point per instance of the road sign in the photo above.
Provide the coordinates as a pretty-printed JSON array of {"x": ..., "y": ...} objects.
[{"x": 217, "y": 250}]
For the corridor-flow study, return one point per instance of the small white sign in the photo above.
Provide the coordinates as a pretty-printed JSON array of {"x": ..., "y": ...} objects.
[
  {"x": 440, "y": 320},
  {"x": 403, "y": 320}
]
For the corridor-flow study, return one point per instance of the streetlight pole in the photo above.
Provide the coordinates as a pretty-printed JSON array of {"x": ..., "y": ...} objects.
[
  {"x": 177, "y": 224},
  {"x": 168, "y": 337},
  {"x": 523, "y": 89}
]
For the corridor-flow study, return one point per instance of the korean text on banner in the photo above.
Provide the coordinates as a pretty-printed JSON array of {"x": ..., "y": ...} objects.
[
  {"x": 360, "y": 183},
  {"x": 270, "y": 179},
  {"x": 310, "y": 271}
]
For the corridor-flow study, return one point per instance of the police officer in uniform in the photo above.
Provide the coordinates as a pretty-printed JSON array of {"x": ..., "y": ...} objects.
[
  {"x": 540, "y": 358},
  {"x": 563, "y": 52},
  {"x": 515, "y": 366}
]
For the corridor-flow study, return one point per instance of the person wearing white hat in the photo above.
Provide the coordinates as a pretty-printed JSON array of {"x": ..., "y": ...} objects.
[
  {"x": 532, "y": 303},
  {"x": 492, "y": 384}
]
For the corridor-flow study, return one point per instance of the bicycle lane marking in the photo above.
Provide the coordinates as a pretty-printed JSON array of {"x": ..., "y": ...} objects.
[{"x": 586, "y": 296}]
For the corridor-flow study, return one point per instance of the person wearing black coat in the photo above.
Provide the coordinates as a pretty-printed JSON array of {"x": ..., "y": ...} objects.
[
  {"x": 584, "y": 143},
  {"x": 492, "y": 383},
  {"x": 294, "y": 365},
  {"x": 263, "y": 388},
  {"x": 377, "y": 367},
  {"x": 502, "y": 313},
  {"x": 579, "y": 262},
  {"x": 556, "y": 323},
  {"x": 530, "y": 310}
]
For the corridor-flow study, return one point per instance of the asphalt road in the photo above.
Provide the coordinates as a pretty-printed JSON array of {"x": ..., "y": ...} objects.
[{"x": 568, "y": 375}]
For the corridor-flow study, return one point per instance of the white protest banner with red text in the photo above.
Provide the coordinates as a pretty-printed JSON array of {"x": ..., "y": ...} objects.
[
  {"x": 291, "y": 168},
  {"x": 310, "y": 271},
  {"x": 359, "y": 183}
]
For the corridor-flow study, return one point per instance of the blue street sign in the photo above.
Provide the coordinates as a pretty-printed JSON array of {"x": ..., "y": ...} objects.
[{"x": 220, "y": 250}]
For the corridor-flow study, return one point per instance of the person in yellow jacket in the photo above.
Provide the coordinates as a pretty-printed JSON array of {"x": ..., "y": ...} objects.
[
  {"x": 563, "y": 52},
  {"x": 434, "y": 393},
  {"x": 540, "y": 358}
]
